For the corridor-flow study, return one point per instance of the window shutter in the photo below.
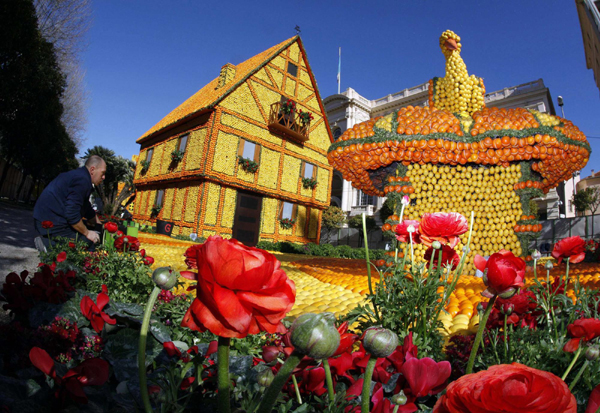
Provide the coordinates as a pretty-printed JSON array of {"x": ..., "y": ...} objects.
[{"x": 256, "y": 152}]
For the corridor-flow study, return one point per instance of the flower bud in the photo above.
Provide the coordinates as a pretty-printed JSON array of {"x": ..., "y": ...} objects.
[
  {"x": 399, "y": 398},
  {"x": 411, "y": 228},
  {"x": 536, "y": 255},
  {"x": 508, "y": 309},
  {"x": 508, "y": 293},
  {"x": 549, "y": 265},
  {"x": 405, "y": 200},
  {"x": 165, "y": 277},
  {"x": 436, "y": 245},
  {"x": 592, "y": 353},
  {"x": 315, "y": 335},
  {"x": 265, "y": 378},
  {"x": 379, "y": 341}
]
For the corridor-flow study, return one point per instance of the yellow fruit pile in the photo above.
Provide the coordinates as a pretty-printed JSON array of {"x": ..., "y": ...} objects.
[{"x": 488, "y": 192}]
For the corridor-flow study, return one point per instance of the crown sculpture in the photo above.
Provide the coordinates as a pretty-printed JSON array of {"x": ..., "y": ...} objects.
[{"x": 458, "y": 155}]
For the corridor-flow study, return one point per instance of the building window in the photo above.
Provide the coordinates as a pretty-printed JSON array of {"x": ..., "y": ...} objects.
[
  {"x": 363, "y": 199},
  {"x": 248, "y": 150},
  {"x": 337, "y": 132},
  {"x": 308, "y": 170},
  {"x": 149, "y": 154},
  {"x": 160, "y": 196},
  {"x": 292, "y": 69},
  {"x": 288, "y": 211},
  {"x": 182, "y": 143}
]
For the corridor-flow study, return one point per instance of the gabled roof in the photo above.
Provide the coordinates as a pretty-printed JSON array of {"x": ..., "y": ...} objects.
[{"x": 209, "y": 96}]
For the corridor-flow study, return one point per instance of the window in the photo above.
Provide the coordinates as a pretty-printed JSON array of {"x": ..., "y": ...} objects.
[
  {"x": 364, "y": 199},
  {"x": 160, "y": 195},
  {"x": 292, "y": 69},
  {"x": 309, "y": 170},
  {"x": 149, "y": 154},
  {"x": 288, "y": 210},
  {"x": 337, "y": 133},
  {"x": 248, "y": 150},
  {"x": 182, "y": 143}
]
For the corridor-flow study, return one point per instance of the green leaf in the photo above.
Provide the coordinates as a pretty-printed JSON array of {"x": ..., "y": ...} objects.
[
  {"x": 159, "y": 331},
  {"x": 122, "y": 351}
]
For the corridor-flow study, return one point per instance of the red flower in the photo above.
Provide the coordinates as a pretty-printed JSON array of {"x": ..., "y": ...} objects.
[
  {"x": 119, "y": 233},
  {"x": 148, "y": 260},
  {"x": 94, "y": 312},
  {"x": 572, "y": 248},
  {"x": 347, "y": 340},
  {"x": 241, "y": 290},
  {"x": 127, "y": 242},
  {"x": 594, "y": 401},
  {"x": 503, "y": 272},
  {"x": 191, "y": 255},
  {"x": 171, "y": 349},
  {"x": 47, "y": 224},
  {"x": 186, "y": 383},
  {"x": 449, "y": 256},
  {"x": 402, "y": 231},
  {"x": 585, "y": 329},
  {"x": 507, "y": 388},
  {"x": 444, "y": 227},
  {"x": 72, "y": 244},
  {"x": 61, "y": 257},
  {"x": 425, "y": 377},
  {"x": 111, "y": 227}
]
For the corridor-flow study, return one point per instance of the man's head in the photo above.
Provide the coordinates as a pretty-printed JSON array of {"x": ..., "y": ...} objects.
[{"x": 97, "y": 168}]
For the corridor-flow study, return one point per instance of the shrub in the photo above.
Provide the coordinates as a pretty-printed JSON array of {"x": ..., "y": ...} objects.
[{"x": 333, "y": 217}]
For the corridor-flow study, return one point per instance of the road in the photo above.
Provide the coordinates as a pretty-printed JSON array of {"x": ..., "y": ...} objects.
[{"x": 17, "y": 252}]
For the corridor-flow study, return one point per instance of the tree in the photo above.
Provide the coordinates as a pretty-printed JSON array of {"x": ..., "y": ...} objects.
[
  {"x": 333, "y": 217},
  {"x": 386, "y": 209},
  {"x": 31, "y": 84},
  {"x": 64, "y": 23},
  {"x": 118, "y": 169},
  {"x": 356, "y": 222},
  {"x": 587, "y": 199}
]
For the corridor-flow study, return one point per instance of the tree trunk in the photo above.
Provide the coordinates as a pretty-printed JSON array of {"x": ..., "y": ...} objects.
[
  {"x": 4, "y": 173},
  {"x": 30, "y": 191},
  {"x": 21, "y": 185}
]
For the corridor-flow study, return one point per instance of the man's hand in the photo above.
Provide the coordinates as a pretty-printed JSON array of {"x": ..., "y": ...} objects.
[{"x": 93, "y": 236}]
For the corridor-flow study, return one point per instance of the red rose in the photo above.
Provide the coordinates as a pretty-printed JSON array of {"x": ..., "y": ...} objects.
[
  {"x": 444, "y": 227},
  {"x": 503, "y": 273},
  {"x": 572, "y": 248},
  {"x": 585, "y": 329},
  {"x": 241, "y": 290},
  {"x": 47, "y": 224},
  {"x": 111, "y": 227},
  {"x": 449, "y": 256},
  {"x": 594, "y": 401},
  {"x": 511, "y": 388},
  {"x": 127, "y": 242},
  {"x": 424, "y": 376},
  {"x": 402, "y": 231}
]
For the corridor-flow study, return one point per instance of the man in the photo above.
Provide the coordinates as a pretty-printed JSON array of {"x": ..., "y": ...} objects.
[{"x": 65, "y": 203}]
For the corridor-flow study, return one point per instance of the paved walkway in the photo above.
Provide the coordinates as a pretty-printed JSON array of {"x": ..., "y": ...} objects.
[{"x": 17, "y": 252}]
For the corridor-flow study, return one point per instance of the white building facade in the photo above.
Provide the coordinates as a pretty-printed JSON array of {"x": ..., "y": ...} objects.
[{"x": 349, "y": 108}]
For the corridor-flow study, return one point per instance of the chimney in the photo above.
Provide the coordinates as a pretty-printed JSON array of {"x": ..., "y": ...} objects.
[{"x": 227, "y": 74}]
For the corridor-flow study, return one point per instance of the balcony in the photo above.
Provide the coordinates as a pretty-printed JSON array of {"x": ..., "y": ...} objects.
[{"x": 287, "y": 125}]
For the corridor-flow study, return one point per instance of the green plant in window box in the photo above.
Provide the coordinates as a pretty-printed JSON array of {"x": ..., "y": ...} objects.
[
  {"x": 305, "y": 117},
  {"x": 145, "y": 165},
  {"x": 288, "y": 107},
  {"x": 248, "y": 165},
  {"x": 309, "y": 183},
  {"x": 177, "y": 156},
  {"x": 155, "y": 210},
  {"x": 287, "y": 223}
]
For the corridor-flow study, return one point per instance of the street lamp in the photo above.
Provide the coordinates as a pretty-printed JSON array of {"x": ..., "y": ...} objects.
[{"x": 561, "y": 103}]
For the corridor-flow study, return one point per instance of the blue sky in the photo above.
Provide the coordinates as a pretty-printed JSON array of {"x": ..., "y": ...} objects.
[{"x": 144, "y": 58}]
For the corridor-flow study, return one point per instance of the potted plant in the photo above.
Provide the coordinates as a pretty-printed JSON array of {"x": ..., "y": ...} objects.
[
  {"x": 247, "y": 165},
  {"x": 288, "y": 107},
  {"x": 155, "y": 210},
  {"x": 177, "y": 156},
  {"x": 287, "y": 223},
  {"x": 305, "y": 117},
  {"x": 309, "y": 183},
  {"x": 145, "y": 165}
]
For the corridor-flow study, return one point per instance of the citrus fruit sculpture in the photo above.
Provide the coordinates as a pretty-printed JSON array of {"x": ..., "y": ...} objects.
[{"x": 456, "y": 154}]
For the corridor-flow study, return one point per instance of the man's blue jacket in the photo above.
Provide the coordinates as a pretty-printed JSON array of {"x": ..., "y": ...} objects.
[{"x": 66, "y": 199}]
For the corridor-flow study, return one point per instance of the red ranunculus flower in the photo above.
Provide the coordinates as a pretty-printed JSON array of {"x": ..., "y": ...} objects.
[
  {"x": 148, "y": 260},
  {"x": 511, "y": 388},
  {"x": 61, "y": 257},
  {"x": 191, "y": 255},
  {"x": 111, "y": 227},
  {"x": 425, "y": 376},
  {"x": 402, "y": 231},
  {"x": 127, "y": 243},
  {"x": 94, "y": 312},
  {"x": 347, "y": 340},
  {"x": 572, "y": 248},
  {"x": 594, "y": 401},
  {"x": 444, "y": 227},
  {"x": 503, "y": 273},
  {"x": 449, "y": 256},
  {"x": 585, "y": 329},
  {"x": 47, "y": 224},
  {"x": 241, "y": 290}
]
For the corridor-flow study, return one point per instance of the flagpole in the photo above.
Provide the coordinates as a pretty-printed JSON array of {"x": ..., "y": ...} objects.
[{"x": 339, "y": 70}]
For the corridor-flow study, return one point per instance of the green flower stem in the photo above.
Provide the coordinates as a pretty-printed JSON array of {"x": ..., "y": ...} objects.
[
  {"x": 505, "y": 344},
  {"x": 223, "y": 375},
  {"x": 439, "y": 266},
  {"x": 581, "y": 370},
  {"x": 399, "y": 222},
  {"x": 298, "y": 397},
  {"x": 431, "y": 262},
  {"x": 412, "y": 254},
  {"x": 366, "y": 390},
  {"x": 329, "y": 381},
  {"x": 535, "y": 269},
  {"x": 461, "y": 264},
  {"x": 482, "y": 323},
  {"x": 564, "y": 376},
  {"x": 364, "y": 224},
  {"x": 396, "y": 408},
  {"x": 282, "y": 376},
  {"x": 142, "y": 350},
  {"x": 567, "y": 275}
]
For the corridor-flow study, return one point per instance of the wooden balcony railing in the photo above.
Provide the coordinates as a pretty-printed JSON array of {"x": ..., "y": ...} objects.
[{"x": 287, "y": 125}]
